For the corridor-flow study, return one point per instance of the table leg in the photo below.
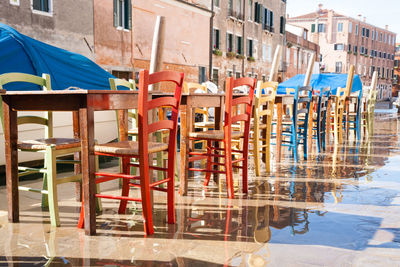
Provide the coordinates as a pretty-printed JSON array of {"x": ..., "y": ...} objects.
[
  {"x": 186, "y": 120},
  {"x": 11, "y": 151},
  {"x": 278, "y": 131},
  {"x": 86, "y": 117},
  {"x": 77, "y": 155}
]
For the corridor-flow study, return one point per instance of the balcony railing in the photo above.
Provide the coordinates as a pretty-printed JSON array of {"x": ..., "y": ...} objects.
[
  {"x": 268, "y": 28},
  {"x": 234, "y": 14}
]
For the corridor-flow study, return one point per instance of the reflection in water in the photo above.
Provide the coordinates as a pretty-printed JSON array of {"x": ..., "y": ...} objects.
[{"x": 328, "y": 201}]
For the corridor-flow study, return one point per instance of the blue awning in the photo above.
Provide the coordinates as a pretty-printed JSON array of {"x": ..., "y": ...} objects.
[
  {"x": 20, "y": 53},
  {"x": 319, "y": 81}
]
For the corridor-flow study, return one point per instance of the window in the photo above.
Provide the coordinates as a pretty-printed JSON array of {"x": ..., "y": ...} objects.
[
  {"x": 239, "y": 45},
  {"x": 14, "y": 2},
  {"x": 295, "y": 58},
  {"x": 366, "y": 51},
  {"x": 41, "y": 5},
  {"x": 229, "y": 42},
  {"x": 383, "y": 72},
  {"x": 350, "y": 27},
  {"x": 384, "y": 55},
  {"x": 340, "y": 27},
  {"x": 349, "y": 48},
  {"x": 390, "y": 39},
  {"x": 230, "y": 7},
  {"x": 238, "y": 75},
  {"x": 264, "y": 52},
  {"x": 380, "y": 37},
  {"x": 361, "y": 50},
  {"x": 215, "y": 76},
  {"x": 288, "y": 56},
  {"x": 216, "y": 39},
  {"x": 355, "y": 49},
  {"x": 202, "y": 74},
  {"x": 229, "y": 73},
  {"x": 338, "y": 68},
  {"x": 356, "y": 29},
  {"x": 263, "y": 78},
  {"x": 367, "y": 33},
  {"x": 249, "y": 48},
  {"x": 376, "y": 35},
  {"x": 305, "y": 35},
  {"x": 216, "y": 3},
  {"x": 363, "y": 32},
  {"x": 339, "y": 46},
  {"x": 123, "y": 14},
  {"x": 250, "y": 10},
  {"x": 269, "y": 53},
  {"x": 321, "y": 27},
  {"x": 385, "y": 38},
  {"x": 312, "y": 27},
  {"x": 239, "y": 9},
  {"x": 257, "y": 12},
  {"x": 282, "y": 26}
]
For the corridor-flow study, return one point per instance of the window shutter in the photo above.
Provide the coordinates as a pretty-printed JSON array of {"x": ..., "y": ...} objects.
[
  {"x": 312, "y": 27},
  {"x": 217, "y": 38},
  {"x": 255, "y": 11},
  {"x": 129, "y": 13},
  {"x": 271, "y": 18},
  {"x": 115, "y": 13},
  {"x": 263, "y": 17}
]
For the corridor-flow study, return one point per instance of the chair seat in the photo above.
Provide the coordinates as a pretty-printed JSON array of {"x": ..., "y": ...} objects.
[
  {"x": 215, "y": 134},
  {"x": 41, "y": 144},
  {"x": 129, "y": 147}
]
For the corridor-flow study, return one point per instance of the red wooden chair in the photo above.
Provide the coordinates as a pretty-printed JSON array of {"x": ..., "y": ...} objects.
[
  {"x": 226, "y": 135},
  {"x": 141, "y": 149}
]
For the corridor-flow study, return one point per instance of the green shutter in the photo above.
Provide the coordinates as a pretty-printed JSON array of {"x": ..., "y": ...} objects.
[
  {"x": 255, "y": 11},
  {"x": 312, "y": 27},
  {"x": 129, "y": 13},
  {"x": 115, "y": 13},
  {"x": 271, "y": 18}
]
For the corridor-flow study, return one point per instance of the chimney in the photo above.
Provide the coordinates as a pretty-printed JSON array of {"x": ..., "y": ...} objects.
[
  {"x": 387, "y": 27},
  {"x": 359, "y": 16},
  {"x": 320, "y": 6},
  {"x": 364, "y": 19}
]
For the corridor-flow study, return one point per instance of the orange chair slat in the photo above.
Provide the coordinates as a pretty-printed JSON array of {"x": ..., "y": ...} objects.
[{"x": 162, "y": 102}]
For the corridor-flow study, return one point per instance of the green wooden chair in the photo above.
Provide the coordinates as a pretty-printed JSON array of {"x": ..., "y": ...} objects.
[{"x": 50, "y": 146}]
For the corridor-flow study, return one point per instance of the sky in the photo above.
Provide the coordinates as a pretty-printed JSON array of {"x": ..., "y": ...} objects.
[{"x": 378, "y": 13}]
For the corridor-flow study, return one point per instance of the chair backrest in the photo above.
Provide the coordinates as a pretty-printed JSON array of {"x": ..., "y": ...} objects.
[
  {"x": 231, "y": 102},
  {"x": 115, "y": 83},
  {"x": 372, "y": 93},
  {"x": 349, "y": 83},
  {"x": 265, "y": 96},
  {"x": 198, "y": 88},
  {"x": 301, "y": 104},
  {"x": 323, "y": 100},
  {"x": 289, "y": 91},
  {"x": 45, "y": 83},
  {"x": 145, "y": 105}
]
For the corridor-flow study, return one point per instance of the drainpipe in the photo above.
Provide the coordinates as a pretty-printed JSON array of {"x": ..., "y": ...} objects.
[{"x": 211, "y": 42}]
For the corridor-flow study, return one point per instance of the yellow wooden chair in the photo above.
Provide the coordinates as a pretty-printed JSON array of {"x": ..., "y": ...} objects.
[
  {"x": 51, "y": 147},
  {"x": 262, "y": 114}
]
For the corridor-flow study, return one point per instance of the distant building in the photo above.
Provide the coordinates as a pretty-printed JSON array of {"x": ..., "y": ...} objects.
[
  {"x": 396, "y": 80},
  {"x": 344, "y": 41},
  {"x": 54, "y": 22},
  {"x": 298, "y": 52},
  {"x": 124, "y": 34},
  {"x": 245, "y": 35}
]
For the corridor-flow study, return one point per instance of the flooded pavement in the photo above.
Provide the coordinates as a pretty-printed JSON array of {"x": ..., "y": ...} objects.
[{"x": 338, "y": 208}]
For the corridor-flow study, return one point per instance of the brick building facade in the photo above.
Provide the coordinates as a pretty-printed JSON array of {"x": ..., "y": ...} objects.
[
  {"x": 245, "y": 35},
  {"x": 346, "y": 41},
  {"x": 396, "y": 80},
  {"x": 298, "y": 52}
]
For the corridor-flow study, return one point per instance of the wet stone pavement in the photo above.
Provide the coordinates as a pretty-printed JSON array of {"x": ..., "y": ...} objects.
[{"x": 338, "y": 208}]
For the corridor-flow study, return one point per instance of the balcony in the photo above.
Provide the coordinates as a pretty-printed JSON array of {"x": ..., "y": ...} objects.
[
  {"x": 268, "y": 28},
  {"x": 235, "y": 15}
]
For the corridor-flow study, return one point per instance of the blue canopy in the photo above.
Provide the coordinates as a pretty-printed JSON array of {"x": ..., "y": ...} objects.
[
  {"x": 319, "y": 81},
  {"x": 20, "y": 53}
]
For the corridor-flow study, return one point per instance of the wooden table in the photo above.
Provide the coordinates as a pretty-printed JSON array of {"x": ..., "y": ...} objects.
[{"x": 83, "y": 101}]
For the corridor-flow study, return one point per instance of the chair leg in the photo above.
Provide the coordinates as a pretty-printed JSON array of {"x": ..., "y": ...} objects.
[
  {"x": 99, "y": 207},
  {"x": 209, "y": 163},
  {"x": 145, "y": 194},
  {"x": 294, "y": 143},
  {"x": 45, "y": 197},
  {"x": 245, "y": 165},
  {"x": 267, "y": 148},
  {"x": 228, "y": 168},
  {"x": 125, "y": 185},
  {"x": 256, "y": 150},
  {"x": 171, "y": 189},
  {"x": 52, "y": 185}
]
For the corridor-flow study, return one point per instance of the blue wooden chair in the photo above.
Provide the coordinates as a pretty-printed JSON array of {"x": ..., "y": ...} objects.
[{"x": 296, "y": 127}]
